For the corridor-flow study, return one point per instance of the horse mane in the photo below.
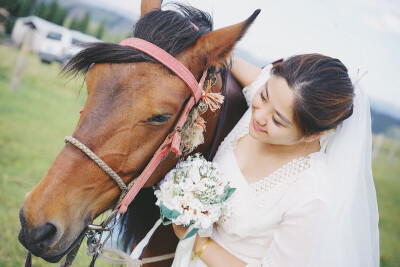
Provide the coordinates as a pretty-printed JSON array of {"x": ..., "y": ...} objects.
[
  {"x": 173, "y": 31},
  {"x": 170, "y": 30}
]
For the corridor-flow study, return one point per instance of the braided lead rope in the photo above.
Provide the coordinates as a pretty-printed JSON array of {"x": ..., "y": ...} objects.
[
  {"x": 125, "y": 258},
  {"x": 98, "y": 161}
]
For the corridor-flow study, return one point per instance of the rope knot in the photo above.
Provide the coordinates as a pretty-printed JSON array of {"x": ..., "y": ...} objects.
[{"x": 212, "y": 100}]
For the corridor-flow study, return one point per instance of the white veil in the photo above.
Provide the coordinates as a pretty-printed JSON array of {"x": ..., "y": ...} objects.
[{"x": 349, "y": 234}]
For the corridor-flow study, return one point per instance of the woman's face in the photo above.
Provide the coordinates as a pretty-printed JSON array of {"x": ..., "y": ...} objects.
[{"x": 272, "y": 114}]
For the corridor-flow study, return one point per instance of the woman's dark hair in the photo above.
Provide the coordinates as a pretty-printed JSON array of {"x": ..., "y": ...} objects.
[{"x": 323, "y": 91}]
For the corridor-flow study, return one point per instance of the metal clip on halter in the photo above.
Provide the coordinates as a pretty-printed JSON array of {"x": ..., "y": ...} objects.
[{"x": 95, "y": 234}]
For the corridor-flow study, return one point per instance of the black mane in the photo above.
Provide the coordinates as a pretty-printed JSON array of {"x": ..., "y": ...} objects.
[
  {"x": 173, "y": 31},
  {"x": 168, "y": 29}
]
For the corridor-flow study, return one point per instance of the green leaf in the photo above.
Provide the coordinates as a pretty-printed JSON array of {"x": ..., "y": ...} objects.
[
  {"x": 229, "y": 193},
  {"x": 166, "y": 222},
  {"x": 191, "y": 233},
  {"x": 167, "y": 213},
  {"x": 175, "y": 214}
]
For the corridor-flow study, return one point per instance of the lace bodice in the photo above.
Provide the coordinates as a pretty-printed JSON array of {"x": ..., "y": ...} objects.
[{"x": 262, "y": 195}]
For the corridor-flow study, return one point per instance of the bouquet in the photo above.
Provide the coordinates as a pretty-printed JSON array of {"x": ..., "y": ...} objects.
[{"x": 193, "y": 194}]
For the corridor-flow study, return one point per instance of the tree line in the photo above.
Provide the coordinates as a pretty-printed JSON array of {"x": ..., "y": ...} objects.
[{"x": 52, "y": 12}]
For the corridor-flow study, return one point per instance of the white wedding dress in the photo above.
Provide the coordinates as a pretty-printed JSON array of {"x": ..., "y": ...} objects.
[
  {"x": 316, "y": 211},
  {"x": 275, "y": 221}
]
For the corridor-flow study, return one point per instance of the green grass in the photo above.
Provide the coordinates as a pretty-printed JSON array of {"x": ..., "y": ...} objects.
[
  {"x": 387, "y": 183},
  {"x": 34, "y": 121}
]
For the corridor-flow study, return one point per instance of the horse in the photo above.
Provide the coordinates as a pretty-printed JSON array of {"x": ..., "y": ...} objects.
[{"x": 132, "y": 104}]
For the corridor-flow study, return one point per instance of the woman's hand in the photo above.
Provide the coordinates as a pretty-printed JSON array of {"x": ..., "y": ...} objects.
[{"x": 179, "y": 230}]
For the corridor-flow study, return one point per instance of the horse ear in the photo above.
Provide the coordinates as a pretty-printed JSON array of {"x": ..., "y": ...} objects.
[
  {"x": 148, "y": 5},
  {"x": 215, "y": 47}
]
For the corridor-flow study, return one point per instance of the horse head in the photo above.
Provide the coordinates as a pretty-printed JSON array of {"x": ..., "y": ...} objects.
[{"x": 132, "y": 104}]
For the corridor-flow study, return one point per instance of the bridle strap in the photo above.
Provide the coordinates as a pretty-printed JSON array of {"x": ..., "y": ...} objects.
[
  {"x": 144, "y": 176},
  {"x": 173, "y": 140},
  {"x": 167, "y": 60},
  {"x": 171, "y": 143},
  {"x": 98, "y": 161}
]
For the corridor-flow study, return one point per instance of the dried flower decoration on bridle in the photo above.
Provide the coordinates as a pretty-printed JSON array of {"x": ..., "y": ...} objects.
[{"x": 193, "y": 130}]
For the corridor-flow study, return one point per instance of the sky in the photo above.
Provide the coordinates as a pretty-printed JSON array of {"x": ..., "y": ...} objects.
[{"x": 363, "y": 34}]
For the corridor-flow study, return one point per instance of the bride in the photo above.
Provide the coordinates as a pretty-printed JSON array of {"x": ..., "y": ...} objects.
[{"x": 301, "y": 162}]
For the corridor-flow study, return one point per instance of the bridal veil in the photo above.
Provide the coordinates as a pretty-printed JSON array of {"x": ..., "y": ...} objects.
[{"x": 349, "y": 233}]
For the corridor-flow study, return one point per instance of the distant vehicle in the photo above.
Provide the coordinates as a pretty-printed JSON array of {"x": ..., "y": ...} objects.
[
  {"x": 53, "y": 45},
  {"x": 76, "y": 39},
  {"x": 52, "y": 42},
  {"x": 60, "y": 46}
]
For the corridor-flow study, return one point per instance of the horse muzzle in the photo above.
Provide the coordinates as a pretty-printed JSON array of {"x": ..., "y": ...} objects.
[{"x": 45, "y": 241}]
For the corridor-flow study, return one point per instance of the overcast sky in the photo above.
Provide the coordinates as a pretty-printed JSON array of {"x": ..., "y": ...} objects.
[{"x": 363, "y": 34}]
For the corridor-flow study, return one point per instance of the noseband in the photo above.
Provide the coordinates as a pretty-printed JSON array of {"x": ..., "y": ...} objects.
[{"x": 171, "y": 142}]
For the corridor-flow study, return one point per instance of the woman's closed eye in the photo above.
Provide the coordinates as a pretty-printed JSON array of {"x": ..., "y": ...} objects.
[
  {"x": 262, "y": 97},
  {"x": 277, "y": 123}
]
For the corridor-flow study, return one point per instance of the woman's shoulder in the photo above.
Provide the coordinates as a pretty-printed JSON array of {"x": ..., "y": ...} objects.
[{"x": 310, "y": 185}]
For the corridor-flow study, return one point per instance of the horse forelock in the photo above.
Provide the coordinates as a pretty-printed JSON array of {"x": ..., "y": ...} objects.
[{"x": 171, "y": 30}]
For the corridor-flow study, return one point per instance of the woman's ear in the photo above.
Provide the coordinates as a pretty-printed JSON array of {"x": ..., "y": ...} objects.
[{"x": 313, "y": 137}]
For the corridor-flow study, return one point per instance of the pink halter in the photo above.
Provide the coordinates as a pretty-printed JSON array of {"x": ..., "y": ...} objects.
[
  {"x": 173, "y": 140},
  {"x": 169, "y": 61}
]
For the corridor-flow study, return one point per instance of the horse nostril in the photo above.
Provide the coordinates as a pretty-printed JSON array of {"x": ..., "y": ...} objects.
[{"x": 44, "y": 234}]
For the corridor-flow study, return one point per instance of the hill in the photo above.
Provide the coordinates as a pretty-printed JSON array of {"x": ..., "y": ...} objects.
[
  {"x": 385, "y": 124},
  {"x": 118, "y": 25}
]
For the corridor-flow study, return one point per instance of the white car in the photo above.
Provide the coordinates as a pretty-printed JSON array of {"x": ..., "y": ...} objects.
[
  {"x": 53, "y": 45},
  {"x": 60, "y": 46},
  {"x": 73, "y": 49}
]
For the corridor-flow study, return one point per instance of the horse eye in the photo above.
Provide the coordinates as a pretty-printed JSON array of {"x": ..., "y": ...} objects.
[{"x": 159, "y": 118}]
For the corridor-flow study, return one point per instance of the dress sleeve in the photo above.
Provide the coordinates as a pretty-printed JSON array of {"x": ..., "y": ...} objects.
[
  {"x": 296, "y": 237},
  {"x": 250, "y": 90}
]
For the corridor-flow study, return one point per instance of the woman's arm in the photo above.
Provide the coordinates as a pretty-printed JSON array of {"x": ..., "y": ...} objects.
[
  {"x": 294, "y": 242},
  {"x": 213, "y": 255},
  {"x": 244, "y": 72}
]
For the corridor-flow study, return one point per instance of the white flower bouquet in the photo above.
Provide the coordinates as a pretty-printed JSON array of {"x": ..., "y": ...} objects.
[{"x": 193, "y": 194}]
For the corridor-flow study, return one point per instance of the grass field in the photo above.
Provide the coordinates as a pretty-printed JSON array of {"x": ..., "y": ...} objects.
[{"x": 35, "y": 119}]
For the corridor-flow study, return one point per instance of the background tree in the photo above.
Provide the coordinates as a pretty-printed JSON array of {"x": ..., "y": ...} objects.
[
  {"x": 74, "y": 25},
  {"x": 11, "y": 6},
  {"x": 84, "y": 23},
  {"x": 16, "y": 8},
  {"x": 101, "y": 29},
  {"x": 25, "y": 7},
  {"x": 51, "y": 11},
  {"x": 60, "y": 16},
  {"x": 40, "y": 10}
]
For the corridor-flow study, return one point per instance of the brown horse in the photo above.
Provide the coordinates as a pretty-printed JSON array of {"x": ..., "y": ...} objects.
[{"x": 132, "y": 105}]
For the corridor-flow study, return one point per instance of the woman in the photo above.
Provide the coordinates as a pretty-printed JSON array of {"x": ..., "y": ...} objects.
[{"x": 305, "y": 194}]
